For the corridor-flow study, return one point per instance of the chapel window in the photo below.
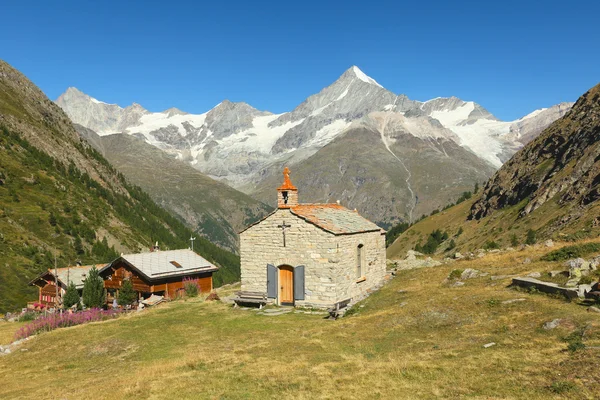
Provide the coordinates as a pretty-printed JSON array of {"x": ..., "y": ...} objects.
[{"x": 359, "y": 261}]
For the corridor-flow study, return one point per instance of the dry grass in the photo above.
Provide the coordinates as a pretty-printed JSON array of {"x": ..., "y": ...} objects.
[
  {"x": 416, "y": 338},
  {"x": 500, "y": 227}
]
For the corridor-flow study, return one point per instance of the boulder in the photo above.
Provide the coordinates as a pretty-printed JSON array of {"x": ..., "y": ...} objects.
[
  {"x": 535, "y": 275},
  {"x": 458, "y": 256},
  {"x": 583, "y": 289},
  {"x": 412, "y": 255},
  {"x": 556, "y": 273},
  {"x": 594, "y": 309},
  {"x": 527, "y": 261},
  {"x": 572, "y": 282},
  {"x": 595, "y": 263},
  {"x": 552, "y": 324},
  {"x": 471, "y": 273},
  {"x": 549, "y": 243},
  {"x": 488, "y": 345}
]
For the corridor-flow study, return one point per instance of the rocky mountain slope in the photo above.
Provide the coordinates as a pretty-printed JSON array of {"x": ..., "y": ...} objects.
[
  {"x": 562, "y": 164},
  {"x": 60, "y": 197},
  {"x": 550, "y": 187},
  {"x": 244, "y": 147},
  {"x": 209, "y": 207}
]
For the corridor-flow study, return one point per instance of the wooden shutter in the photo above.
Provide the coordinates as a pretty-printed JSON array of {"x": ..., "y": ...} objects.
[
  {"x": 271, "y": 281},
  {"x": 299, "y": 282}
]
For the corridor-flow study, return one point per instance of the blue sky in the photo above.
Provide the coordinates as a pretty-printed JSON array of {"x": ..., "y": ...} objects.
[{"x": 510, "y": 56}]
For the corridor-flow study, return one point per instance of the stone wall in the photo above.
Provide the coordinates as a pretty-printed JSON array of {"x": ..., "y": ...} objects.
[{"x": 329, "y": 260}]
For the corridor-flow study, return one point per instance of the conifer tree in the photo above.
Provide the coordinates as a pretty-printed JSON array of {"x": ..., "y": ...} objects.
[
  {"x": 93, "y": 290},
  {"x": 71, "y": 297},
  {"x": 126, "y": 295}
]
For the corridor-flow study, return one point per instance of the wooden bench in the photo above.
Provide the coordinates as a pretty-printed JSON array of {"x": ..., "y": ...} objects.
[
  {"x": 338, "y": 309},
  {"x": 245, "y": 297}
]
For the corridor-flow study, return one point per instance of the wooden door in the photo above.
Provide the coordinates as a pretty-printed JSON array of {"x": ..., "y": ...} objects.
[{"x": 286, "y": 285}]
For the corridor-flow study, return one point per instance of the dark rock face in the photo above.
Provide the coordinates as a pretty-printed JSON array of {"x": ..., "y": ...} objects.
[{"x": 563, "y": 161}]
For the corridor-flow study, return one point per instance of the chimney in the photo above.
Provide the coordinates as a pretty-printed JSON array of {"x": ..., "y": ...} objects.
[
  {"x": 287, "y": 194},
  {"x": 156, "y": 247}
]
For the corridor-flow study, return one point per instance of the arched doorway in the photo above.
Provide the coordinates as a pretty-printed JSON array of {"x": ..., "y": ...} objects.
[{"x": 286, "y": 285}]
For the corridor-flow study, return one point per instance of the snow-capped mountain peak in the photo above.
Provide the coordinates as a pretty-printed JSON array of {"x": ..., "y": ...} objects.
[
  {"x": 363, "y": 77},
  {"x": 234, "y": 141}
]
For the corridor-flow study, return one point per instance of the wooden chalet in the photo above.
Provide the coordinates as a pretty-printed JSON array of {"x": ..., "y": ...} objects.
[
  {"x": 46, "y": 283},
  {"x": 158, "y": 272}
]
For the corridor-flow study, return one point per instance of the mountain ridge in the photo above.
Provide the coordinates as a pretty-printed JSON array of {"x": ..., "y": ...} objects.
[{"x": 242, "y": 146}]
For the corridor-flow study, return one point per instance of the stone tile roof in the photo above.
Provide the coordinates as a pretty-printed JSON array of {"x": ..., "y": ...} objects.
[
  {"x": 334, "y": 218},
  {"x": 75, "y": 274},
  {"x": 161, "y": 264}
]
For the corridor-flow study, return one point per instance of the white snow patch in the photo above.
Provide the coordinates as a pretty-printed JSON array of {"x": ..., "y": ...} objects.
[
  {"x": 100, "y": 102},
  {"x": 532, "y": 114},
  {"x": 341, "y": 96},
  {"x": 260, "y": 137},
  {"x": 363, "y": 77},
  {"x": 483, "y": 137},
  {"x": 388, "y": 107},
  {"x": 319, "y": 110},
  {"x": 154, "y": 121},
  {"x": 327, "y": 133}
]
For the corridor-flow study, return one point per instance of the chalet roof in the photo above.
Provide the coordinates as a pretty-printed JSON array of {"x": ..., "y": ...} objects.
[
  {"x": 161, "y": 264},
  {"x": 75, "y": 274},
  {"x": 334, "y": 218}
]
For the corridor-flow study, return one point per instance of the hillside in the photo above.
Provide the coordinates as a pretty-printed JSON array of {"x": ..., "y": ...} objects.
[
  {"x": 208, "y": 207},
  {"x": 419, "y": 337},
  {"x": 60, "y": 197},
  {"x": 550, "y": 187}
]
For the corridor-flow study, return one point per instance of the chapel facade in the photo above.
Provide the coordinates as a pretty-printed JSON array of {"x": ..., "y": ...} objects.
[{"x": 312, "y": 254}]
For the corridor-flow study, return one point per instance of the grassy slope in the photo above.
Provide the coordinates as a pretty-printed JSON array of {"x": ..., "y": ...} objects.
[
  {"x": 499, "y": 227},
  {"x": 430, "y": 347},
  {"x": 215, "y": 209}
]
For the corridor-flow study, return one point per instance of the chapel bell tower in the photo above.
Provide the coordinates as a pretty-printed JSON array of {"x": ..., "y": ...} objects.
[{"x": 287, "y": 194}]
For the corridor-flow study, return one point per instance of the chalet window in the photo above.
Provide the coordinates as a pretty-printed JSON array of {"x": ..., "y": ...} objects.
[{"x": 359, "y": 261}]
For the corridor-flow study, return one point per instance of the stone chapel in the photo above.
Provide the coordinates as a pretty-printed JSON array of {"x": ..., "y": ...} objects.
[{"x": 312, "y": 255}]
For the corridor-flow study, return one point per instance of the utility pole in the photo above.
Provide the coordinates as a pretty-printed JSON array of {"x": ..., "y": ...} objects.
[
  {"x": 192, "y": 241},
  {"x": 55, "y": 283}
]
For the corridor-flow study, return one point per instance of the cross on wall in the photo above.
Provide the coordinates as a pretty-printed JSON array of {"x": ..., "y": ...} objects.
[{"x": 283, "y": 227}]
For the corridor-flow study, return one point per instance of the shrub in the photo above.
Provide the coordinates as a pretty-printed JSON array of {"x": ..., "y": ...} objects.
[
  {"x": 575, "y": 340},
  {"x": 452, "y": 244},
  {"x": 28, "y": 316},
  {"x": 560, "y": 387},
  {"x": 455, "y": 274},
  {"x": 514, "y": 242},
  {"x": 586, "y": 280},
  {"x": 490, "y": 245},
  {"x": 191, "y": 287},
  {"x": 460, "y": 231},
  {"x": 531, "y": 237},
  {"x": 573, "y": 251}
]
